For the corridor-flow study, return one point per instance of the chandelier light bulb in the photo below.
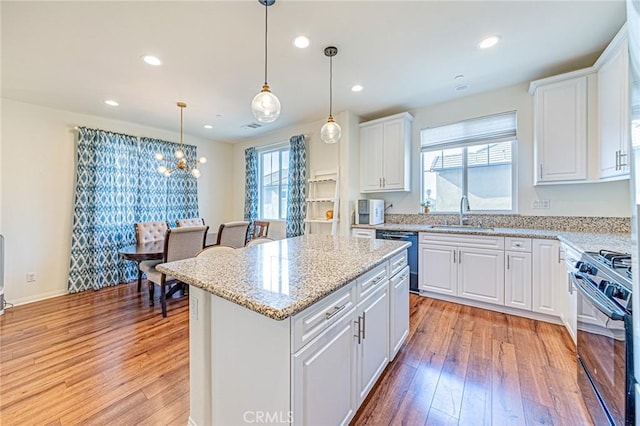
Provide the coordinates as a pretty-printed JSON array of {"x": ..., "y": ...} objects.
[
  {"x": 162, "y": 169},
  {"x": 167, "y": 173},
  {"x": 179, "y": 154},
  {"x": 159, "y": 156},
  {"x": 331, "y": 131},
  {"x": 195, "y": 173},
  {"x": 265, "y": 106},
  {"x": 202, "y": 160}
]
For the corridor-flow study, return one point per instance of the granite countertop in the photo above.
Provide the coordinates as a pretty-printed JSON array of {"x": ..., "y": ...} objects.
[
  {"x": 581, "y": 241},
  {"x": 283, "y": 277}
]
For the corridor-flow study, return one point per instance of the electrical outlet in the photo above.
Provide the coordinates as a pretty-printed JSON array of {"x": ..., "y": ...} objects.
[
  {"x": 541, "y": 204},
  {"x": 31, "y": 277}
]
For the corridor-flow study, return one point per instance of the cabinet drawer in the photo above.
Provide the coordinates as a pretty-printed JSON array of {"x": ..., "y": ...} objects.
[
  {"x": 397, "y": 263},
  {"x": 363, "y": 233},
  {"x": 478, "y": 241},
  {"x": 517, "y": 244},
  {"x": 370, "y": 281},
  {"x": 312, "y": 321}
]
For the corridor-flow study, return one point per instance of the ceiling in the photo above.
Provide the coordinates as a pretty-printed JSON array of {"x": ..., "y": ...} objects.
[{"x": 74, "y": 55}]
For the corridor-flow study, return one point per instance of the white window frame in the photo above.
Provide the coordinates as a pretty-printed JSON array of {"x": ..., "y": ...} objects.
[
  {"x": 278, "y": 147},
  {"x": 461, "y": 143}
]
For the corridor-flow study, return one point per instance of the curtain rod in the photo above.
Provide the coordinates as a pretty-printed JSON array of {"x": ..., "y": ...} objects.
[{"x": 304, "y": 135}]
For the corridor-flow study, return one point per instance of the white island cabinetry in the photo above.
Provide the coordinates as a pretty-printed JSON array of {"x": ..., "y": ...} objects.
[{"x": 263, "y": 348}]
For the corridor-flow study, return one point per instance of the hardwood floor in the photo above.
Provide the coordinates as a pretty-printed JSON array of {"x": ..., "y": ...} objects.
[{"x": 106, "y": 357}]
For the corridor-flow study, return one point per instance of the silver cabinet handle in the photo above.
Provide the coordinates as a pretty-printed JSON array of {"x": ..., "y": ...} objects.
[
  {"x": 364, "y": 324},
  {"x": 570, "y": 283},
  {"x": 336, "y": 309},
  {"x": 459, "y": 257},
  {"x": 380, "y": 183},
  {"x": 617, "y": 160},
  {"x": 508, "y": 261},
  {"x": 454, "y": 256},
  {"x": 384, "y": 182},
  {"x": 540, "y": 172},
  {"x": 359, "y": 326}
]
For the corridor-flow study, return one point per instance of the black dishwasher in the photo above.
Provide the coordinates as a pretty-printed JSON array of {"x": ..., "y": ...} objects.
[{"x": 411, "y": 237}]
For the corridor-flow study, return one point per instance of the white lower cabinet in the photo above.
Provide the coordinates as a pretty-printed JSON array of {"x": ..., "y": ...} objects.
[
  {"x": 517, "y": 280},
  {"x": 324, "y": 377},
  {"x": 549, "y": 283},
  {"x": 481, "y": 275},
  {"x": 372, "y": 325},
  {"x": 438, "y": 270},
  {"x": 398, "y": 311}
]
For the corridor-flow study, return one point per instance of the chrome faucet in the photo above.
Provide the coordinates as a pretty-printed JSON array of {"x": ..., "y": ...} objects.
[{"x": 464, "y": 207}]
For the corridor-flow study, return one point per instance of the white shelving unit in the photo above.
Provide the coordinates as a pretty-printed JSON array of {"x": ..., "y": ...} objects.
[{"x": 324, "y": 195}]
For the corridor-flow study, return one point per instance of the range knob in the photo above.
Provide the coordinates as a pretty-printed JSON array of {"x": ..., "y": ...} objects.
[
  {"x": 588, "y": 269},
  {"x": 605, "y": 287}
]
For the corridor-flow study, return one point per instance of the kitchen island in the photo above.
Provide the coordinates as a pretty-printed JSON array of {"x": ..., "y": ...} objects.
[{"x": 292, "y": 331}]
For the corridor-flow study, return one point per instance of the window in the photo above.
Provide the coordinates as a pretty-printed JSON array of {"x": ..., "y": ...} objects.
[
  {"x": 273, "y": 172},
  {"x": 472, "y": 158}
]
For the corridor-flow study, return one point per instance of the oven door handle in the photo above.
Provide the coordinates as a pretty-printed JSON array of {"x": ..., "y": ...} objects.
[{"x": 587, "y": 290}]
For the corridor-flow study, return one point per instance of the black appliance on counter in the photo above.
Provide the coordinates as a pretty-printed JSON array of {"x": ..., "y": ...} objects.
[
  {"x": 604, "y": 336},
  {"x": 411, "y": 237}
]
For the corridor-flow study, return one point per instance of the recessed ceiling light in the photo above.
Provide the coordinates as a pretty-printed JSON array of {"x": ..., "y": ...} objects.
[
  {"x": 357, "y": 88},
  {"x": 301, "y": 42},
  {"x": 461, "y": 87},
  {"x": 208, "y": 126},
  {"x": 489, "y": 42},
  {"x": 458, "y": 77},
  {"x": 152, "y": 60},
  {"x": 111, "y": 102}
]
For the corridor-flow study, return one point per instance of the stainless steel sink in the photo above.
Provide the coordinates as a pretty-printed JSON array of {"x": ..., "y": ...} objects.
[{"x": 462, "y": 227}]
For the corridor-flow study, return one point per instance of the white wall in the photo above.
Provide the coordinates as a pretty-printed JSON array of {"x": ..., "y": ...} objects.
[
  {"x": 37, "y": 178},
  {"x": 320, "y": 156},
  {"x": 591, "y": 199}
]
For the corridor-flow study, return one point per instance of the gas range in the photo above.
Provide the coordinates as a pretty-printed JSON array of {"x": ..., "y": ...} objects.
[{"x": 610, "y": 272}]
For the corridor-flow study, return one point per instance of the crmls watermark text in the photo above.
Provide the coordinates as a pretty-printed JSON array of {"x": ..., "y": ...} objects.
[{"x": 268, "y": 417}]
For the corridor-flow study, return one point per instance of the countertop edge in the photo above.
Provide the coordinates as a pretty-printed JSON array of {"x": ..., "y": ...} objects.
[{"x": 266, "y": 310}]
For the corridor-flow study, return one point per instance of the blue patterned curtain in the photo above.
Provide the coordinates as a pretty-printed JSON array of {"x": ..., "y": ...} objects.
[
  {"x": 165, "y": 198},
  {"x": 250, "y": 185},
  {"x": 296, "y": 199},
  {"x": 104, "y": 209}
]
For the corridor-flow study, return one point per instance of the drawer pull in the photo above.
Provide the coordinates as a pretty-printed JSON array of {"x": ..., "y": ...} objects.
[
  {"x": 378, "y": 279},
  {"x": 518, "y": 245},
  {"x": 398, "y": 262},
  {"x": 336, "y": 309}
]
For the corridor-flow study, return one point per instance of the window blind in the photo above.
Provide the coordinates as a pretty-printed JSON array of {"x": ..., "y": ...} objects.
[{"x": 488, "y": 129}]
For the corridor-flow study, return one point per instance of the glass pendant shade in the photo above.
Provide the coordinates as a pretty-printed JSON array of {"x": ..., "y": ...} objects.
[
  {"x": 331, "y": 131},
  {"x": 265, "y": 106}
]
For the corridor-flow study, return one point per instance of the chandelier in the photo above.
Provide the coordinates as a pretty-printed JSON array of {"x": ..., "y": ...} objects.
[{"x": 182, "y": 163}]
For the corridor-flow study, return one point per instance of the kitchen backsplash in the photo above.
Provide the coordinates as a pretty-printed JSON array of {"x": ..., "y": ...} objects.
[{"x": 559, "y": 223}]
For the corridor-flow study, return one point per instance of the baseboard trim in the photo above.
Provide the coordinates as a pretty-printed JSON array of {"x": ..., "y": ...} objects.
[
  {"x": 37, "y": 298},
  {"x": 504, "y": 309},
  {"x": 190, "y": 422}
]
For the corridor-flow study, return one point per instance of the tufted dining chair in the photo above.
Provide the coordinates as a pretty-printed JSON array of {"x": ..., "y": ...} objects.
[
  {"x": 147, "y": 232},
  {"x": 233, "y": 234},
  {"x": 179, "y": 243},
  {"x": 212, "y": 251},
  {"x": 194, "y": 221}
]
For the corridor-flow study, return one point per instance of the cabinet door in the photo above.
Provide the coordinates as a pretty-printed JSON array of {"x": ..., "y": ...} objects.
[
  {"x": 373, "y": 350},
  {"x": 613, "y": 114},
  {"x": 548, "y": 277},
  {"x": 517, "y": 280},
  {"x": 398, "y": 311},
  {"x": 571, "y": 318},
  {"x": 371, "y": 142},
  {"x": 438, "y": 270},
  {"x": 560, "y": 139},
  {"x": 481, "y": 275},
  {"x": 394, "y": 153},
  {"x": 324, "y": 377}
]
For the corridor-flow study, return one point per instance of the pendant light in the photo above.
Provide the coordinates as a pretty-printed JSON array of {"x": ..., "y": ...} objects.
[
  {"x": 265, "y": 106},
  {"x": 182, "y": 162},
  {"x": 331, "y": 131}
]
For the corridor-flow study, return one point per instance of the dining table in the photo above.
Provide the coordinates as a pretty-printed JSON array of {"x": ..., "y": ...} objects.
[{"x": 152, "y": 250}]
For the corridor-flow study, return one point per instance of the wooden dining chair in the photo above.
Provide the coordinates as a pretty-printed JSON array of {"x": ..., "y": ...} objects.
[
  {"x": 179, "y": 243},
  {"x": 147, "y": 232},
  {"x": 233, "y": 234},
  {"x": 260, "y": 229},
  {"x": 194, "y": 221}
]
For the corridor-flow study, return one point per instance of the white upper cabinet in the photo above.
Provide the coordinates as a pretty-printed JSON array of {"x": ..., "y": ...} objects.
[
  {"x": 385, "y": 146},
  {"x": 560, "y": 128},
  {"x": 613, "y": 109}
]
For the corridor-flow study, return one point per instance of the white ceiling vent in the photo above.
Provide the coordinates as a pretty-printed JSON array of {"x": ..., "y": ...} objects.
[{"x": 251, "y": 126}]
